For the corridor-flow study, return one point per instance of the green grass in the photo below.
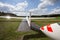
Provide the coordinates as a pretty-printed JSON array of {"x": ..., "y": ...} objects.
[{"x": 8, "y": 29}]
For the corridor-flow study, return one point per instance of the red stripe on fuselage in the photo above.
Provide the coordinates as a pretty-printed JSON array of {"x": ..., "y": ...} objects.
[
  {"x": 42, "y": 28},
  {"x": 49, "y": 28}
]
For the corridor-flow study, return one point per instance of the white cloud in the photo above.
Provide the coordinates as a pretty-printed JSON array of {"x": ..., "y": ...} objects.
[
  {"x": 39, "y": 11},
  {"x": 45, "y": 3},
  {"x": 42, "y": 7},
  {"x": 5, "y": 6},
  {"x": 11, "y": 8},
  {"x": 21, "y": 6},
  {"x": 55, "y": 11}
]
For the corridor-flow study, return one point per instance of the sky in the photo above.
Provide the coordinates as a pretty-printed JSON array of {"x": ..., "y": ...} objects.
[{"x": 37, "y": 7}]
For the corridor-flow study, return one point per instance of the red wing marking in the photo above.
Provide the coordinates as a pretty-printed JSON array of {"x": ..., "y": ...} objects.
[
  {"x": 49, "y": 28},
  {"x": 42, "y": 28}
]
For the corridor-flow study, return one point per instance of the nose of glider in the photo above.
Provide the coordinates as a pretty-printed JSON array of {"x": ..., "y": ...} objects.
[
  {"x": 42, "y": 28},
  {"x": 52, "y": 31},
  {"x": 48, "y": 27}
]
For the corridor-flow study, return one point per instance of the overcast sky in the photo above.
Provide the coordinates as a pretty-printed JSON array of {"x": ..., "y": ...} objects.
[{"x": 38, "y": 7}]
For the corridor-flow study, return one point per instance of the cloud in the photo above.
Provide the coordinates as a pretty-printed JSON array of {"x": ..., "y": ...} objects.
[
  {"x": 45, "y": 3},
  {"x": 42, "y": 7},
  {"x": 55, "y": 11},
  {"x": 37, "y": 11},
  {"x": 5, "y": 7},
  {"x": 21, "y": 6}
]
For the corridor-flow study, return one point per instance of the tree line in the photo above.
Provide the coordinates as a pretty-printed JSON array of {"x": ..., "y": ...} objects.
[{"x": 6, "y": 14}]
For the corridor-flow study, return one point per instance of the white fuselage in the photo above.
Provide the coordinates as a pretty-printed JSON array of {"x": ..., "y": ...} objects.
[{"x": 52, "y": 31}]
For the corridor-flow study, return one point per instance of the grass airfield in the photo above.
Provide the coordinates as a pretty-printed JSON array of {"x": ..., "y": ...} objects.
[{"x": 8, "y": 29}]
